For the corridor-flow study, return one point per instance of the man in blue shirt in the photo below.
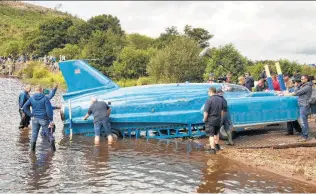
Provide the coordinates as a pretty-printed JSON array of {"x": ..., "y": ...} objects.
[
  {"x": 101, "y": 112},
  {"x": 42, "y": 115},
  {"x": 23, "y": 97}
]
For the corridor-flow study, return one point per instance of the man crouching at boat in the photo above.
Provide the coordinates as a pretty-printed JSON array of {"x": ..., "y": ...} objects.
[
  {"x": 101, "y": 113},
  {"x": 213, "y": 113}
]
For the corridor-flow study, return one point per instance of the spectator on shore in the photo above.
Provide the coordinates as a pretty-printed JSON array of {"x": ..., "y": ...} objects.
[
  {"x": 260, "y": 87},
  {"x": 241, "y": 80},
  {"x": 263, "y": 74},
  {"x": 276, "y": 84},
  {"x": 288, "y": 83},
  {"x": 228, "y": 78},
  {"x": 304, "y": 93},
  {"x": 249, "y": 81}
]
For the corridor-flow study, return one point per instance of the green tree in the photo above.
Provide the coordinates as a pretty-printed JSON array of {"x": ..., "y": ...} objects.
[
  {"x": 165, "y": 38},
  {"x": 80, "y": 31},
  {"x": 69, "y": 51},
  {"x": 200, "y": 35},
  {"x": 103, "y": 46},
  {"x": 12, "y": 48},
  {"x": 226, "y": 59},
  {"x": 131, "y": 63},
  {"x": 179, "y": 61},
  {"x": 106, "y": 22},
  {"x": 51, "y": 34},
  {"x": 139, "y": 41}
]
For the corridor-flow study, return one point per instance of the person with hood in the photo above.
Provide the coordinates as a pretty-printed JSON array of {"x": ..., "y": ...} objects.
[
  {"x": 23, "y": 97},
  {"x": 249, "y": 81},
  {"x": 225, "y": 120},
  {"x": 304, "y": 93},
  {"x": 42, "y": 116}
]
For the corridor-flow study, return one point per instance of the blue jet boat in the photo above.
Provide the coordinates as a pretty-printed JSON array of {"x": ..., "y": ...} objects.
[{"x": 163, "y": 110}]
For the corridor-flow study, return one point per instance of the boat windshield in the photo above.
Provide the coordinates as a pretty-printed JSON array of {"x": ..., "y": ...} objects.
[{"x": 234, "y": 88}]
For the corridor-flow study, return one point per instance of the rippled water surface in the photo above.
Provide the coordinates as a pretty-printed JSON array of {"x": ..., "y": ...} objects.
[{"x": 126, "y": 166}]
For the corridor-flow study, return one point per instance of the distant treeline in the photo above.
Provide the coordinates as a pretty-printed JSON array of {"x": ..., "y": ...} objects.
[{"x": 172, "y": 57}]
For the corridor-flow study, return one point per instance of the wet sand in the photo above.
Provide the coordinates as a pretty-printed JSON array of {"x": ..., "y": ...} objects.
[{"x": 296, "y": 163}]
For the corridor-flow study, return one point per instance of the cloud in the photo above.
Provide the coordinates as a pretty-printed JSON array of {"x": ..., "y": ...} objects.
[{"x": 260, "y": 30}]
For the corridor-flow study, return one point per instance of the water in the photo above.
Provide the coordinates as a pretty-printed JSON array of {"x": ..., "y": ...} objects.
[{"x": 127, "y": 166}]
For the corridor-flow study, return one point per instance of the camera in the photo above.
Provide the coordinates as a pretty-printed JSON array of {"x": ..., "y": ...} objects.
[{"x": 221, "y": 79}]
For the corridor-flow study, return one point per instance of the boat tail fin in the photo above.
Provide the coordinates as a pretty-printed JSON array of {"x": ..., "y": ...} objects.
[{"x": 81, "y": 78}]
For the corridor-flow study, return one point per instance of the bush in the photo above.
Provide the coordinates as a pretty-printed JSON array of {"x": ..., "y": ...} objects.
[
  {"x": 127, "y": 82},
  {"x": 145, "y": 81},
  {"x": 40, "y": 73}
]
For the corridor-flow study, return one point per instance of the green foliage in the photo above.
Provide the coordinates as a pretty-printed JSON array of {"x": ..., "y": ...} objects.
[
  {"x": 79, "y": 32},
  {"x": 200, "y": 35},
  {"x": 145, "y": 81},
  {"x": 132, "y": 63},
  {"x": 127, "y": 82},
  {"x": 18, "y": 18},
  {"x": 105, "y": 23},
  {"x": 226, "y": 59},
  {"x": 139, "y": 41},
  {"x": 103, "y": 46},
  {"x": 255, "y": 70},
  {"x": 70, "y": 51},
  {"x": 37, "y": 73},
  {"x": 177, "y": 62},
  {"x": 12, "y": 48},
  {"x": 165, "y": 38},
  {"x": 40, "y": 72},
  {"x": 52, "y": 34}
]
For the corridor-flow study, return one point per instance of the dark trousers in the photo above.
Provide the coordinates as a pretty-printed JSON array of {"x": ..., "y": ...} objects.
[
  {"x": 25, "y": 120},
  {"x": 293, "y": 125}
]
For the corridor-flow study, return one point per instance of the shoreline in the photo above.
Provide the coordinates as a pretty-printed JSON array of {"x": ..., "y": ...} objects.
[
  {"x": 267, "y": 165},
  {"x": 255, "y": 149}
]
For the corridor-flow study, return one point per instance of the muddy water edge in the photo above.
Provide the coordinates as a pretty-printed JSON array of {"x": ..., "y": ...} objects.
[{"x": 127, "y": 166}]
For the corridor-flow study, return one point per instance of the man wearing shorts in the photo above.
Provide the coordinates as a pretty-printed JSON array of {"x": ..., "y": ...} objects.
[
  {"x": 213, "y": 113},
  {"x": 101, "y": 112}
]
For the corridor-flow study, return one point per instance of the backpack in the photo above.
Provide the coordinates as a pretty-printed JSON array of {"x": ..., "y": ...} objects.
[{"x": 312, "y": 100}]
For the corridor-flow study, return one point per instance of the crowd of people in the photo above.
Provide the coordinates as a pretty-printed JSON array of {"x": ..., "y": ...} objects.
[
  {"x": 295, "y": 85},
  {"x": 8, "y": 63}
]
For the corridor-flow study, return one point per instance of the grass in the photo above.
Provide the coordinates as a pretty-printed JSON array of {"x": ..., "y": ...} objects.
[{"x": 17, "y": 18}]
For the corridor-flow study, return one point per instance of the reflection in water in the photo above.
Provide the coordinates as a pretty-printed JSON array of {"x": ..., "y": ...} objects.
[{"x": 126, "y": 166}]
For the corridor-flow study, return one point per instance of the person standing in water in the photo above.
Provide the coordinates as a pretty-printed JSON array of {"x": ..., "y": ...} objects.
[
  {"x": 101, "y": 113},
  {"x": 42, "y": 116},
  {"x": 23, "y": 97}
]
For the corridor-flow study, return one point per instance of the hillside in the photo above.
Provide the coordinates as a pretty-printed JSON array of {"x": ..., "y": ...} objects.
[{"x": 17, "y": 18}]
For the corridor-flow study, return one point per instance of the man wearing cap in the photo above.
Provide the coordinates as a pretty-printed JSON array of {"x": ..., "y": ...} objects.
[{"x": 101, "y": 112}]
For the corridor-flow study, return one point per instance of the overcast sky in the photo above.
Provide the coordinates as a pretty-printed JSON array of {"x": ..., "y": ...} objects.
[{"x": 260, "y": 30}]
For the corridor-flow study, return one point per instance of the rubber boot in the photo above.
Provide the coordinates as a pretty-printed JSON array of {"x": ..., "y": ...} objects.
[
  {"x": 33, "y": 146},
  {"x": 217, "y": 147},
  {"x": 230, "y": 137},
  {"x": 52, "y": 145}
]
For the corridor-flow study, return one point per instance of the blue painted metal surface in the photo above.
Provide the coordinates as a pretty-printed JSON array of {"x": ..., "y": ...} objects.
[{"x": 164, "y": 110}]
